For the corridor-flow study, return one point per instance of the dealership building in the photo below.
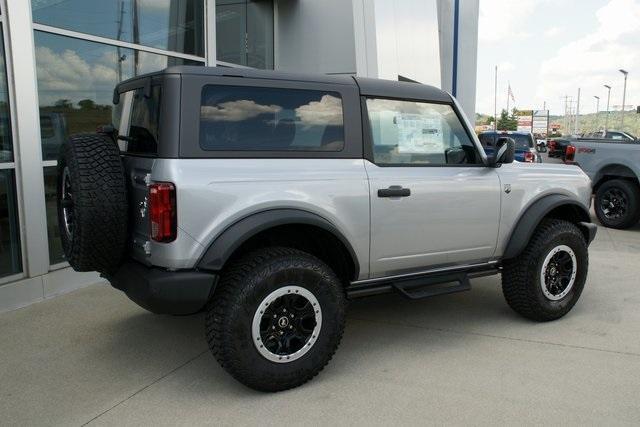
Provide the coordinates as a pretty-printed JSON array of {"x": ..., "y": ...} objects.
[{"x": 61, "y": 59}]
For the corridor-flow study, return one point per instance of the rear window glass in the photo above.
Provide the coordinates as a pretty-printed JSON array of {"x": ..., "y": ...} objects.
[
  {"x": 244, "y": 118},
  {"x": 143, "y": 128}
]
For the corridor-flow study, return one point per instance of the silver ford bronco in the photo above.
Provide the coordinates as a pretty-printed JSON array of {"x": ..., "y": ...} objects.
[{"x": 269, "y": 200}]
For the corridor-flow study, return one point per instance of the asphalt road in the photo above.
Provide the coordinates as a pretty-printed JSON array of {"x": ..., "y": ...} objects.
[{"x": 92, "y": 356}]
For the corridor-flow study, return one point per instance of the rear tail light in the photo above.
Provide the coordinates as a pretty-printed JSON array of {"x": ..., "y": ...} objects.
[
  {"x": 529, "y": 157},
  {"x": 162, "y": 211},
  {"x": 570, "y": 154}
]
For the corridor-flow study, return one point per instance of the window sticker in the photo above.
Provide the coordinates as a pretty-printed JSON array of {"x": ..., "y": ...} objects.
[{"x": 419, "y": 134}]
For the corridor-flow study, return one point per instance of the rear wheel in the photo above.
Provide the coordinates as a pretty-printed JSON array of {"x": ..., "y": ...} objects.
[
  {"x": 276, "y": 318},
  {"x": 92, "y": 203},
  {"x": 545, "y": 281},
  {"x": 617, "y": 203}
]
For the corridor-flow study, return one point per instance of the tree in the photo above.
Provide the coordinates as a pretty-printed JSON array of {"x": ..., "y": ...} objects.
[
  {"x": 64, "y": 103},
  {"x": 87, "y": 104},
  {"x": 508, "y": 122}
]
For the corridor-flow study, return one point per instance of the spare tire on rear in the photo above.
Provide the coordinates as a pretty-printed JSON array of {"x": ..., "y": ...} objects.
[{"x": 92, "y": 203}]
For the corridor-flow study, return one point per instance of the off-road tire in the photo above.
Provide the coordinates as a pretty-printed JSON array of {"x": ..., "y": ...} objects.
[
  {"x": 242, "y": 288},
  {"x": 631, "y": 192},
  {"x": 521, "y": 284},
  {"x": 100, "y": 207}
]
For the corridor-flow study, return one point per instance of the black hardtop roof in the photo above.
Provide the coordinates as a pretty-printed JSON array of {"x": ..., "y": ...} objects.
[{"x": 368, "y": 86}]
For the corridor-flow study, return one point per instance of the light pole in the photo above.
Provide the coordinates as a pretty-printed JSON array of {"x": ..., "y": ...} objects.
[
  {"x": 597, "y": 109},
  {"x": 606, "y": 120},
  {"x": 624, "y": 95}
]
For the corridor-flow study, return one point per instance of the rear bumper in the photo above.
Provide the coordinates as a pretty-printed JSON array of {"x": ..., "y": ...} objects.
[{"x": 164, "y": 292}]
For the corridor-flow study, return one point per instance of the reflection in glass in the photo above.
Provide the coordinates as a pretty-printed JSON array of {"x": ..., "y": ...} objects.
[
  {"x": 244, "y": 32},
  {"x": 175, "y": 25},
  {"x": 6, "y": 145},
  {"x": 56, "y": 254},
  {"x": 76, "y": 79},
  {"x": 10, "y": 261},
  {"x": 275, "y": 119}
]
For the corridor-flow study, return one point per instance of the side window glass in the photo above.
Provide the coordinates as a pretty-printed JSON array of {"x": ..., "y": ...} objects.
[
  {"x": 418, "y": 133},
  {"x": 244, "y": 118},
  {"x": 143, "y": 128}
]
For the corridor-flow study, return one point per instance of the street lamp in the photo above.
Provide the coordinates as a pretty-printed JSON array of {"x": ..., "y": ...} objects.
[
  {"x": 624, "y": 95},
  {"x": 597, "y": 109},
  {"x": 606, "y": 120}
]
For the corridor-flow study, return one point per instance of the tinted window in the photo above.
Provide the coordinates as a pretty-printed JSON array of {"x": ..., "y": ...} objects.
[
  {"x": 143, "y": 129},
  {"x": 408, "y": 132},
  {"x": 243, "y": 118}
]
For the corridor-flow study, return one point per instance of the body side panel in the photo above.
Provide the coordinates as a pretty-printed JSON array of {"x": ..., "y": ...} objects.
[
  {"x": 213, "y": 194},
  {"x": 528, "y": 183}
]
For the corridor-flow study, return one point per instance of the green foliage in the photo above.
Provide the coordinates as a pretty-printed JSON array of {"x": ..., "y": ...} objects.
[{"x": 508, "y": 121}]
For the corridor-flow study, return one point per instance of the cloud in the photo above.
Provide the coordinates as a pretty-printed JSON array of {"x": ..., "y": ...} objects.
[
  {"x": 500, "y": 19},
  {"x": 552, "y": 32},
  {"x": 235, "y": 111},
  {"x": 505, "y": 66},
  {"x": 594, "y": 60},
  {"x": 327, "y": 111}
]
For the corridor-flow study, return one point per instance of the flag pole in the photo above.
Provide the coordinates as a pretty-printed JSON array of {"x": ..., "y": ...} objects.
[{"x": 495, "y": 102}]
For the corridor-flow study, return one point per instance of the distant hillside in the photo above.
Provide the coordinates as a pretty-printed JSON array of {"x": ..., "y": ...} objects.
[
  {"x": 590, "y": 122},
  {"x": 593, "y": 122}
]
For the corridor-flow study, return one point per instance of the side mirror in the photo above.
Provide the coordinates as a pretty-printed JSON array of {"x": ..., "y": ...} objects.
[{"x": 505, "y": 152}]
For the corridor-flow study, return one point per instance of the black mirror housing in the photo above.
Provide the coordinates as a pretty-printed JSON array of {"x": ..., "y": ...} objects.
[{"x": 505, "y": 152}]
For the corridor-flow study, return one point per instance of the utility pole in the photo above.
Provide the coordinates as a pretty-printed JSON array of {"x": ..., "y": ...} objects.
[
  {"x": 624, "y": 95},
  {"x": 577, "y": 113},
  {"x": 495, "y": 102},
  {"x": 597, "y": 110},
  {"x": 606, "y": 120},
  {"x": 566, "y": 122}
]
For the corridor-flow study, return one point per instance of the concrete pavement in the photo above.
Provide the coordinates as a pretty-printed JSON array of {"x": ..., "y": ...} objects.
[{"x": 94, "y": 357}]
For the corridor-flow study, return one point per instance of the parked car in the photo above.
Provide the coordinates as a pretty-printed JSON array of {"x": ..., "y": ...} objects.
[
  {"x": 557, "y": 146},
  {"x": 611, "y": 135},
  {"x": 541, "y": 145},
  {"x": 269, "y": 199},
  {"x": 525, "y": 146},
  {"x": 614, "y": 169}
]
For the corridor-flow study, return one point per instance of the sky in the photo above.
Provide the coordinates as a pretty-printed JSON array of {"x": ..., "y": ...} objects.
[{"x": 547, "y": 49}]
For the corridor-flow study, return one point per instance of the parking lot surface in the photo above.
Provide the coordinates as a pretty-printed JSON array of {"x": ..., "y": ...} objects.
[{"x": 94, "y": 357}]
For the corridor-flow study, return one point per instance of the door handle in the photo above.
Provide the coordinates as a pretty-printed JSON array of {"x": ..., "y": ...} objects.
[{"x": 394, "y": 191}]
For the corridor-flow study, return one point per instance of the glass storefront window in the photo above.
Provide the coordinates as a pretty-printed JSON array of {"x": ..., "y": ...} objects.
[
  {"x": 6, "y": 143},
  {"x": 175, "y": 25},
  {"x": 244, "y": 32},
  {"x": 10, "y": 260},
  {"x": 76, "y": 79},
  {"x": 56, "y": 254}
]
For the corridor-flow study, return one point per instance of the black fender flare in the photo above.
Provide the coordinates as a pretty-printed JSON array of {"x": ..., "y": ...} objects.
[
  {"x": 532, "y": 216},
  {"x": 223, "y": 246}
]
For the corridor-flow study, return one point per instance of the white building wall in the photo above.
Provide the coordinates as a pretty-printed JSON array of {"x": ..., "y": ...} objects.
[
  {"x": 466, "y": 72},
  {"x": 406, "y": 32},
  {"x": 314, "y": 36}
]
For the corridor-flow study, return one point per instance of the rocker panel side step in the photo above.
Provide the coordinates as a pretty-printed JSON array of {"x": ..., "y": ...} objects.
[{"x": 423, "y": 285}]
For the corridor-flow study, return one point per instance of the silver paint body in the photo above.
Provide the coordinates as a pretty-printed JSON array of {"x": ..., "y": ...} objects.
[{"x": 454, "y": 216}]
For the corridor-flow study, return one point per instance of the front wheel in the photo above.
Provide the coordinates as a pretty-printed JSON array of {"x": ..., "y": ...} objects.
[
  {"x": 276, "y": 318},
  {"x": 545, "y": 281}
]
